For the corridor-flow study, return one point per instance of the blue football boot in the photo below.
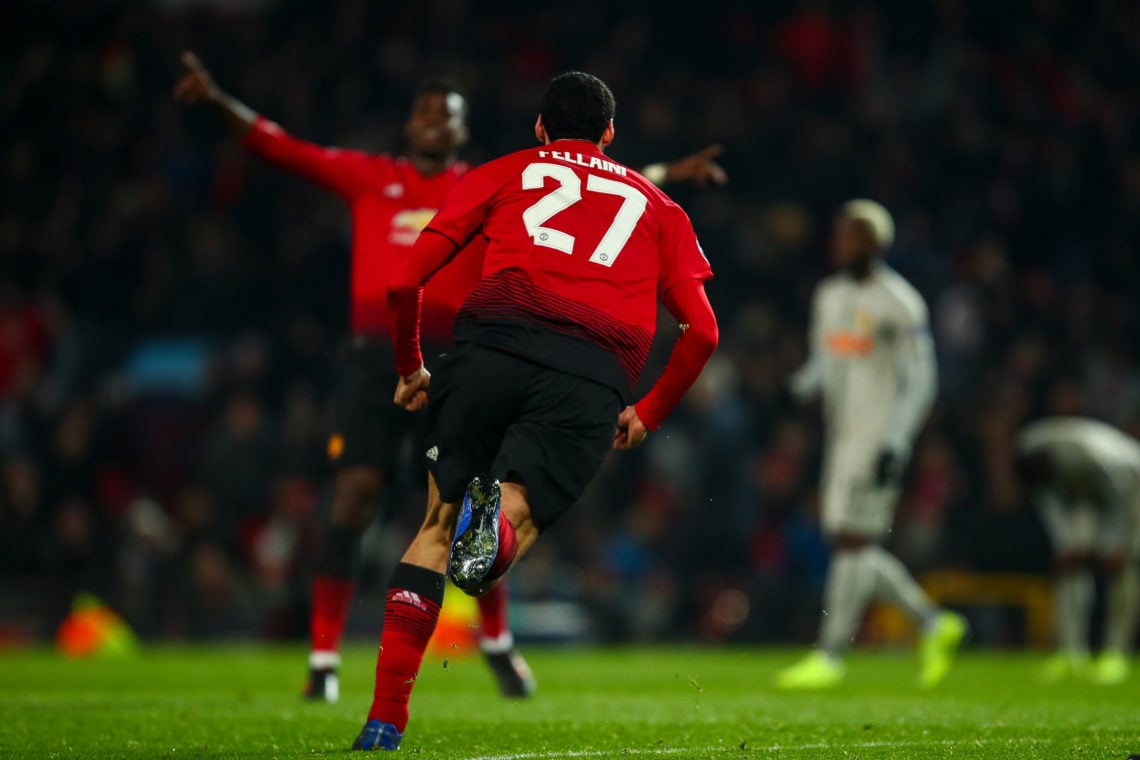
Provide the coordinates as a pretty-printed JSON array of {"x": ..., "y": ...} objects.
[
  {"x": 377, "y": 735},
  {"x": 476, "y": 542}
]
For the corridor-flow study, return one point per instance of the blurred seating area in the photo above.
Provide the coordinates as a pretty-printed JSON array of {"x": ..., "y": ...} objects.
[{"x": 171, "y": 310}]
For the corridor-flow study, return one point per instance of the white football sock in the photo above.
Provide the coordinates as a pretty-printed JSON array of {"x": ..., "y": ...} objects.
[
  {"x": 896, "y": 585},
  {"x": 1072, "y": 605},
  {"x": 504, "y": 642},
  {"x": 846, "y": 594},
  {"x": 1123, "y": 609},
  {"x": 323, "y": 660}
]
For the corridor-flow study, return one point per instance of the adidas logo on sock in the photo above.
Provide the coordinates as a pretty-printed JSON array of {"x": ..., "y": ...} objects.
[{"x": 409, "y": 597}]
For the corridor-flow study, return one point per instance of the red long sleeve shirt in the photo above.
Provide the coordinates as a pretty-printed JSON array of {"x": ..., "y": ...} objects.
[
  {"x": 391, "y": 203},
  {"x": 578, "y": 252}
]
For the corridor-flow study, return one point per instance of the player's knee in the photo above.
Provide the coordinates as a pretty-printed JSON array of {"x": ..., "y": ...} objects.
[
  {"x": 356, "y": 495},
  {"x": 1072, "y": 561},
  {"x": 843, "y": 541},
  {"x": 1113, "y": 564}
]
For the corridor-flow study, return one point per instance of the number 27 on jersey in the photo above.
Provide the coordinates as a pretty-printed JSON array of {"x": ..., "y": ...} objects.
[{"x": 569, "y": 192}]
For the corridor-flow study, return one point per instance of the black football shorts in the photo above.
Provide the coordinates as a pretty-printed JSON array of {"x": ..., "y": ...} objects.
[
  {"x": 494, "y": 413},
  {"x": 368, "y": 429}
]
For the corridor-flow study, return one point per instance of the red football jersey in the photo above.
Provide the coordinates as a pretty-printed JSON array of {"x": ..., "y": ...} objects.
[
  {"x": 578, "y": 251},
  {"x": 391, "y": 202}
]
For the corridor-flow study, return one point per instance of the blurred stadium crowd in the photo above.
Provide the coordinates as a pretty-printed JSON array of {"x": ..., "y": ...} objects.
[{"x": 171, "y": 309}]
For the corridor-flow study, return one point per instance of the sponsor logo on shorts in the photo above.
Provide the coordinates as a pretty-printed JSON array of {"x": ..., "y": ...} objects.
[
  {"x": 336, "y": 446},
  {"x": 432, "y": 453}
]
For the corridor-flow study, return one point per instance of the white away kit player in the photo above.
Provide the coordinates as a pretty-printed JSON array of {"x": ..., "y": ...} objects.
[
  {"x": 872, "y": 363},
  {"x": 1084, "y": 478}
]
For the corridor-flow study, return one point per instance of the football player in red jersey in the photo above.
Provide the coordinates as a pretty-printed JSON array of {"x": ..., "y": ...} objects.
[
  {"x": 550, "y": 345},
  {"x": 391, "y": 199}
]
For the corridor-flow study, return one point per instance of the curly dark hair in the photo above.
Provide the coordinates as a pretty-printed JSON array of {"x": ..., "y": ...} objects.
[{"x": 577, "y": 106}]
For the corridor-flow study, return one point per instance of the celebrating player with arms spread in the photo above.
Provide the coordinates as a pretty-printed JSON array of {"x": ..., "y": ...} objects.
[
  {"x": 391, "y": 199},
  {"x": 550, "y": 346}
]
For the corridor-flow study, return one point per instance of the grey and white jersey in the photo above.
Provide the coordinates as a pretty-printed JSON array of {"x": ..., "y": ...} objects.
[
  {"x": 1093, "y": 500},
  {"x": 871, "y": 359},
  {"x": 1093, "y": 460}
]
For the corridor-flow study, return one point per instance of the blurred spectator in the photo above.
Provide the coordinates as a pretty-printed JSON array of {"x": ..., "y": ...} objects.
[{"x": 166, "y": 303}]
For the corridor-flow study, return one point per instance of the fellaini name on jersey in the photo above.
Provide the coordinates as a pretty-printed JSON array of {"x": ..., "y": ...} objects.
[{"x": 591, "y": 162}]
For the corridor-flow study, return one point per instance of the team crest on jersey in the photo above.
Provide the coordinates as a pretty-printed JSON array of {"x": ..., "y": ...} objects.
[
  {"x": 864, "y": 322},
  {"x": 858, "y": 341},
  {"x": 432, "y": 453},
  {"x": 407, "y": 225},
  {"x": 393, "y": 190}
]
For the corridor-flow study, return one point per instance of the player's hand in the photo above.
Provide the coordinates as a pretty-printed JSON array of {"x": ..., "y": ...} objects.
[
  {"x": 699, "y": 168},
  {"x": 889, "y": 468},
  {"x": 196, "y": 86},
  {"x": 630, "y": 431},
  {"x": 412, "y": 390}
]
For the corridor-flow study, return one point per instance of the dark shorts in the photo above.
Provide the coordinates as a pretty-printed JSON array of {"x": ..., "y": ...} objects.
[
  {"x": 495, "y": 413},
  {"x": 368, "y": 429}
]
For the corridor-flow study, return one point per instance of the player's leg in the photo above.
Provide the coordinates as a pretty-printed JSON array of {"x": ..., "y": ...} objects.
[
  {"x": 471, "y": 406},
  {"x": 942, "y": 631},
  {"x": 856, "y": 515},
  {"x": 497, "y": 643},
  {"x": 368, "y": 430},
  {"x": 511, "y": 671},
  {"x": 493, "y": 520},
  {"x": 1120, "y": 550},
  {"x": 549, "y": 454},
  {"x": 411, "y": 613},
  {"x": 1072, "y": 530},
  {"x": 1121, "y": 615},
  {"x": 1073, "y": 594},
  {"x": 849, "y": 583},
  {"x": 356, "y": 492}
]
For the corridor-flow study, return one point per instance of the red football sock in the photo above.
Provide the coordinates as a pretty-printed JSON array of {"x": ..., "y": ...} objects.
[
  {"x": 508, "y": 548},
  {"x": 493, "y": 612},
  {"x": 331, "y": 597},
  {"x": 415, "y": 595}
]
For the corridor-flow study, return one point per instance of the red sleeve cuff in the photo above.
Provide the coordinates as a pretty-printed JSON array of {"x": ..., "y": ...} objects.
[
  {"x": 689, "y": 304},
  {"x": 262, "y": 130}
]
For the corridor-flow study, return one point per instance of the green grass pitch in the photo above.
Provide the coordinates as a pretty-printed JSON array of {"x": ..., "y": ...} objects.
[{"x": 231, "y": 701}]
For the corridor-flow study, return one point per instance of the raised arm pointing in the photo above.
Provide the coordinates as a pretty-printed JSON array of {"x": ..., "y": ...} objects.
[{"x": 198, "y": 87}]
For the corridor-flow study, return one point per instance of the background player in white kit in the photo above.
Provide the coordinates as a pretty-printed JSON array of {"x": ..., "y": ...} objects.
[
  {"x": 1084, "y": 478},
  {"x": 872, "y": 362}
]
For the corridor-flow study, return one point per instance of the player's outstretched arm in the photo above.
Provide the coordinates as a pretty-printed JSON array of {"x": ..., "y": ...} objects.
[
  {"x": 807, "y": 382},
  {"x": 197, "y": 87},
  {"x": 689, "y": 304},
  {"x": 341, "y": 171},
  {"x": 699, "y": 168}
]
